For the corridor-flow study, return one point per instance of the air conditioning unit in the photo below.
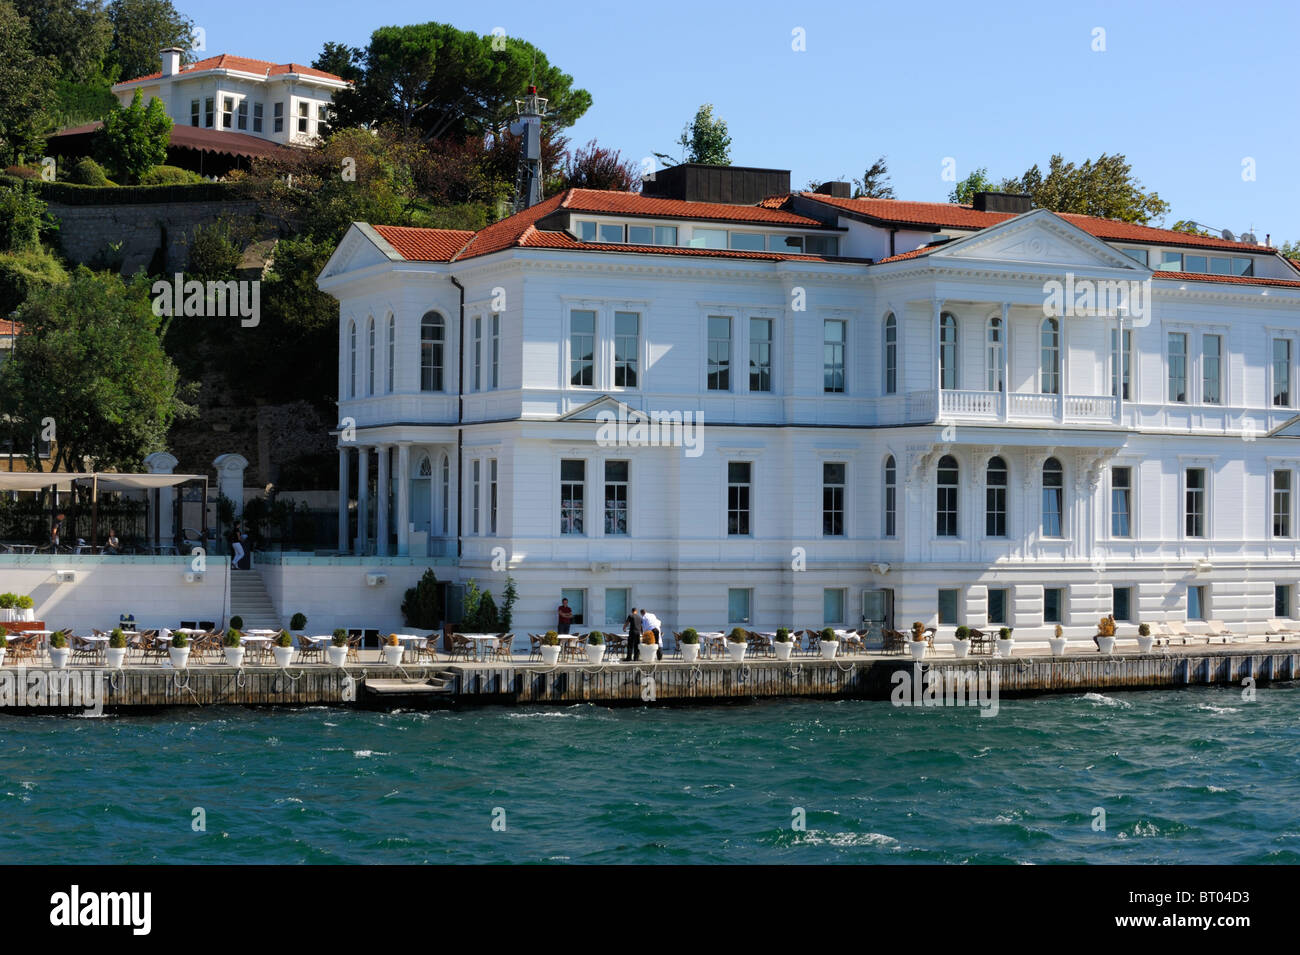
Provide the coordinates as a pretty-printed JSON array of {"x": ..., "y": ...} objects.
[
  {"x": 193, "y": 577},
  {"x": 65, "y": 576},
  {"x": 374, "y": 580}
]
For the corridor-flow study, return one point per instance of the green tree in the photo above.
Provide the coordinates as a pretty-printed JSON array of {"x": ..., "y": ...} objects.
[
  {"x": 1188, "y": 226},
  {"x": 341, "y": 60},
  {"x": 134, "y": 140},
  {"x": 1104, "y": 187},
  {"x": 704, "y": 140},
  {"x": 26, "y": 88},
  {"x": 100, "y": 332},
  {"x": 23, "y": 217},
  {"x": 140, "y": 29},
  {"x": 595, "y": 167},
  {"x": 1290, "y": 249},
  {"x": 978, "y": 181},
  {"x": 508, "y": 599},
  {"x": 74, "y": 34},
  {"x": 874, "y": 183},
  {"x": 421, "y": 606}
]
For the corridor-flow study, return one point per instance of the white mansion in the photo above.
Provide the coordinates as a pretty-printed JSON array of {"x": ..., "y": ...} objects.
[{"x": 906, "y": 411}]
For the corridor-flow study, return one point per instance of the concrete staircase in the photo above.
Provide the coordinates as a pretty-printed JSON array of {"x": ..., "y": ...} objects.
[{"x": 249, "y": 599}]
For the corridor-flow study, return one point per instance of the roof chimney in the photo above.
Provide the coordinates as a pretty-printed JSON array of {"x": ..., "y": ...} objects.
[
  {"x": 836, "y": 190},
  {"x": 1002, "y": 202},
  {"x": 171, "y": 60}
]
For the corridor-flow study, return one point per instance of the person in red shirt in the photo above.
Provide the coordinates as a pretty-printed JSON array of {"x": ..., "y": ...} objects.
[{"x": 564, "y": 615}]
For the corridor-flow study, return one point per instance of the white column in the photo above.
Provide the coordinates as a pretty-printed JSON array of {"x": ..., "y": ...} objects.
[
  {"x": 404, "y": 500},
  {"x": 1006, "y": 361},
  {"x": 160, "y": 462},
  {"x": 382, "y": 489},
  {"x": 363, "y": 497},
  {"x": 344, "y": 543}
]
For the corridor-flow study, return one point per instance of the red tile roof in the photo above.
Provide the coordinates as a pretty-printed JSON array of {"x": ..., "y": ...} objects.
[
  {"x": 425, "y": 245},
  {"x": 535, "y": 238},
  {"x": 243, "y": 64},
  {"x": 630, "y": 203},
  {"x": 8, "y": 328},
  {"x": 1230, "y": 279}
]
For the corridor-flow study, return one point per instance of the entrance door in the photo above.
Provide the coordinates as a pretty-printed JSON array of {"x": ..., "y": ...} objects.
[{"x": 877, "y": 611}]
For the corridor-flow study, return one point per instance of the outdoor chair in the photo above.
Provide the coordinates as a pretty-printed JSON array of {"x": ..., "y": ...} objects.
[
  {"x": 462, "y": 646},
  {"x": 759, "y": 644},
  {"x": 677, "y": 644},
  {"x": 1283, "y": 628},
  {"x": 428, "y": 650},
  {"x": 354, "y": 646},
  {"x": 853, "y": 642},
  {"x": 1178, "y": 628},
  {"x": 151, "y": 646},
  {"x": 310, "y": 649},
  {"x": 1217, "y": 629},
  {"x": 814, "y": 642},
  {"x": 23, "y": 648},
  {"x": 504, "y": 650},
  {"x": 534, "y": 646},
  {"x": 895, "y": 642},
  {"x": 615, "y": 644},
  {"x": 980, "y": 642}
]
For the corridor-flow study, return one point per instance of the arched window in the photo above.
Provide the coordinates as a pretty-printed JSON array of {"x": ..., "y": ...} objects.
[
  {"x": 946, "y": 497},
  {"x": 1053, "y": 497},
  {"x": 392, "y": 350},
  {"x": 352, "y": 359},
  {"x": 1049, "y": 372},
  {"x": 891, "y": 497},
  {"x": 995, "y": 498},
  {"x": 995, "y": 343},
  {"x": 426, "y": 467},
  {"x": 432, "y": 338},
  {"x": 891, "y": 354},
  {"x": 370, "y": 359},
  {"x": 948, "y": 351},
  {"x": 446, "y": 494}
]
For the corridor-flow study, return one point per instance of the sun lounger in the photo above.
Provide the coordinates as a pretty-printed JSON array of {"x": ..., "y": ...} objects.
[{"x": 1218, "y": 630}]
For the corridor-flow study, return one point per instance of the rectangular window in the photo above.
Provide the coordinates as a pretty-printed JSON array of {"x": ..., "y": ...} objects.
[
  {"x": 492, "y": 496},
  {"x": 616, "y": 606},
  {"x": 1281, "y": 503},
  {"x": 833, "y": 341},
  {"x": 242, "y": 119},
  {"x": 998, "y": 606},
  {"x": 209, "y": 108},
  {"x": 748, "y": 241},
  {"x": 277, "y": 114},
  {"x": 1121, "y": 368},
  {"x": 665, "y": 235},
  {"x": 578, "y": 604},
  {"x": 1212, "y": 369},
  {"x": 995, "y": 500},
  {"x": 760, "y": 354},
  {"x": 1138, "y": 255},
  {"x": 738, "y": 602},
  {"x": 821, "y": 245},
  {"x": 573, "y": 476},
  {"x": 475, "y": 496},
  {"x": 1282, "y": 373},
  {"x": 1121, "y": 603},
  {"x": 304, "y": 117},
  {"x": 833, "y": 606},
  {"x": 833, "y": 499},
  {"x": 627, "y": 349},
  {"x": 611, "y": 232},
  {"x": 227, "y": 111},
  {"x": 582, "y": 348},
  {"x": 719, "y": 353},
  {"x": 1194, "y": 263},
  {"x": 738, "y": 497},
  {"x": 1196, "y": 602},
  {"x": 1243, "y": 266},
  {"x": 1282, "y": 601},
  {"x": 1053, "y": 503},
  {"x": 496, "y": 350},
  {"x": 1177, "y": 367},
  {"x": 257, "y": 117},
  {"x": 891, "y": 355},
  {"x": 616, "y": 484},
  {"x": 790, "y": 244},
  {"x": 640, "y": 235},
  {"x": 477, "y": 356},
  {"x": 1053, "y": 605},
  {"x": 1171, "y": 262},
  {"x": 1121, "y": 502},
  {"x": 891, "y": 498},
  {"x": 586, "y": 230},
  {"x": 708, "y": 238},
  {"x": 1194, "y": 524},
  {"x": 194, "y": 112},
  {"x": 947, "y": 607}
]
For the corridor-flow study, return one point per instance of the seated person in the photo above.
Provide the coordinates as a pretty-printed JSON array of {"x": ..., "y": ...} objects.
[{"x": 112, "y": 545}]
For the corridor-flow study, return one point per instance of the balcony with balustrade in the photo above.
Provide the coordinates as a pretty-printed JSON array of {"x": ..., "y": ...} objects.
[{"x": 1019, "y": 407}]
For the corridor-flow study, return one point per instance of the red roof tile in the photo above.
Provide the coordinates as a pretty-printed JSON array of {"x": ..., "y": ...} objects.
[
  {"x": 243, "y": 64},
  {"x": 192, "y": 137},
  {"x": 425, "y": 245},
  {"x": 8, "y": 328},
  {"x": 1229, "y": 279}
]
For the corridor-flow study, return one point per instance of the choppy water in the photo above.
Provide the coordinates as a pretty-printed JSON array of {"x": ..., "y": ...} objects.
[{"x": 1190, "y": 776}]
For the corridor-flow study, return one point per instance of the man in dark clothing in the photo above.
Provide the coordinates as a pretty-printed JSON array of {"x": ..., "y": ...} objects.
[
  {"x": 633, "y": 627},
  {"x": 564, "y": 616}
]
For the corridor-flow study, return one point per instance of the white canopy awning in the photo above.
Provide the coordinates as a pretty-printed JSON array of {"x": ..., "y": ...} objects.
[
  {"x": 108, "y": 481},
  {"x": 139, "y": 482},
  {"x": 38, "y": 480}
]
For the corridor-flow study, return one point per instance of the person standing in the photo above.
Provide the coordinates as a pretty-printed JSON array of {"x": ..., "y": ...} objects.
[
  {"x": 632, "y": 626},
  {"x": 650, "y": 624},
  {"x": 564, "y": 616},
  {"x": 236, "y": 548}
]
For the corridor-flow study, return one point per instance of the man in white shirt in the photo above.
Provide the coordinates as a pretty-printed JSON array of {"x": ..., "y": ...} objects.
[{"x": 650, "y": 624}]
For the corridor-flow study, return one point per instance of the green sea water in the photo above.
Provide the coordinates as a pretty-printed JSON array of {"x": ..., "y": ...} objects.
[{"x": 1194, "y": 776}]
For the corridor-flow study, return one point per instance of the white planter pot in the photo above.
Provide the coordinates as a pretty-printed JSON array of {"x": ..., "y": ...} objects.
[
  {"x": 28, "y": 614},
  {"x": 234, "y": 656},
  {"x": 550, "y": 655},
  {"x": 1004, "y": 646},
  {"x": 59, "y": 658},
  {"x": 338, "y": 656},
  {"x": 595, "y": 652},
  {"x": 392, "y": 655},
  {"x": 284, "y": 656},
  {"x": 1058, "y": 646},
  {"x": 829, "y": 649},
  {"x": 180, "y": 656},
  {"x": 7, "y": 614},
  {"x": 783, "y": 650},
  {"x": 116, "y": 657},
  {"x": 961, "y": 649},
  {"x": 1106, "y": 644},
  {"x": 690, "y": 652},
  {"x": 918, "y": 648},
  {"x": 649, "y": 652},
  {"x": 736, "y": 651},
  {"x": 1145, "y": 643}
]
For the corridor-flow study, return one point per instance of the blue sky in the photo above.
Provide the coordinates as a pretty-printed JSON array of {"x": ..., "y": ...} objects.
[{"x": 1187, "y": 90}]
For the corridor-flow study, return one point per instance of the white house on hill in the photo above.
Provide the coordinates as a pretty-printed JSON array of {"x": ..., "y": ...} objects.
[{"x": 988, "y": 414}]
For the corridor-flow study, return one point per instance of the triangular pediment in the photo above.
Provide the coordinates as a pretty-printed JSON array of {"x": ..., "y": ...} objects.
[
  {"x": 1037, "y": 238},
  {"x": 360, "y": 248},
  {"x": 592, "y": 410},
  {"x": 1288, "y": 429}
]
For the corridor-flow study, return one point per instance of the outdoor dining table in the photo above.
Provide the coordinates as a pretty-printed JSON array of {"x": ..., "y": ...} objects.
[
  {"x": 407, "y": 639},
  {"x": 482, "y": 641},
  {"x": 43, "y": 634},
  {"x": 23, "y": 548}
]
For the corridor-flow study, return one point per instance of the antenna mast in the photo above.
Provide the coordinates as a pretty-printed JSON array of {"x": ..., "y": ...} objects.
[{"x": 528, "y": 181}]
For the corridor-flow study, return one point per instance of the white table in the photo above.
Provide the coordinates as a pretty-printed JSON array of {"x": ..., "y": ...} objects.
[
  {"x": 482, "y": 641},
  {"x": 43, "y": 634},
  {"x": 188, "y": 631}
]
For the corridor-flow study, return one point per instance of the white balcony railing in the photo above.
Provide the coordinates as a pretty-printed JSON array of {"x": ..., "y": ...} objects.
[
  {"x": 1021, "y": 406},
  {"x": 972, "y": 404}
]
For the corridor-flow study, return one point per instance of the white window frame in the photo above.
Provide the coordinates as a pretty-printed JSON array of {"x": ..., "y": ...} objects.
[
  {"x": 1207, "y": 496},
  {"x": 885, "y": 362}
]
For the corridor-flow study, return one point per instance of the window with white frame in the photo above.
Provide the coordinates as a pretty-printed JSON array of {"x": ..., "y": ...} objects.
[
  {"x": 227, "y": 111},
  {"x": 891, "y": 354},
  {"x": 241, "y": 118},
  {"x": 618, "y": 600},
  {"x": 370, "y": 357},
  {"x": 1121, "y": 603},
  {"x": 1053, "y": 605},
  {"x": 719, "y": 355},
  {"x": 833, "y": 604},
  {"x": 947, "y": 601},
  {"x": 492, "y": 496},
  {"x": 627, "y": 349},
  {"x": 994, "y": 350},
  {"x": 890, "y": 528},
  {"x": 446, "y": 494},
  {"x": 582, "y": 347},
  {"x": 995, "y": 498},
  {"x": 1177, "y": 364},
  {"x": 194, "y": 112},
  {"x": 1194, "y": 502},
  {"x": 1283, "y": 601},
  {"x": 1196, "y": 602},
  {"x": 476, "y": 356},
  {"x": 304, "y": 117},
  {"x": 1053, "y": 498},
  {"x": 1049, "y": 359},
  {"x": 209, "y": 111},
  {"x": 257, "y": 117},
  {"x": 739, "y": 601},
  {"x": 573, "y": 479},
  {"x": 760, "y": 355},
  {"x": 277, "y": 117},
  {"x": 1121, "y": 501},
  {"x": 352, "y": 359},
  {"x": 433, "y": 330},
  {"x": 833, "y": 485},
  {"x": 948, "y": 376},
  {"x": 997, "y": 609},
  {"x": 1281, "y": 373},
  {"x": 1282, "y": 502},
  {"x": 496, "y": 349},
  {"x": 476, "y": 494},
  {"x": 946, "y": 490},
  {"x": 616, "y": 498},
  {"x": 1121, "y": 364},
  {"x": 834, "y": 339},
  {"x": 392, "y": 354},
  {"x": 739, "y": 491},
  {"x": 1212, "y": 369}
]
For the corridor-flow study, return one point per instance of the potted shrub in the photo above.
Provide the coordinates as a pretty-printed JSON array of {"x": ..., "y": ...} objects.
[
  {"x": 1145, "y": 640},
  {"x": 298, "y": 622},
  {"x": 550, "y": 648},
  {"x": 783, "y": 645},
  {"x": 25, "y": 605},
  {"x": 961, "y": 642},
  {"x": 393, "y": 650},
  {"x": 690, "y": 645},
  {"x": 649, "y": 649},
  {"x": 918, "y": 644},
  {"x": 595, "y": 647},
  {"x": 1057, "y": 642},
  {"x": 830, "y": 643},
  {"x": 237, "y": 622},
  {"x": 7, "y": 604},
  {"x": 1005, "y": 642},
  {"x": 179, "y": 651},
  {"x": 282, "y": 647},
  {"x": 1105, "y": 638},
  {"x": 116, "y": 648},
  {"x": 59, "y": 650},
  {"x": 337, "y": 651},
  {"x": 233, "y": 646},
  {"x": 737, "y": 643}
]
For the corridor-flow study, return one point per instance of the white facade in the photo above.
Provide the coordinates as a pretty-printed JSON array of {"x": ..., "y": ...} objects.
[{"x": 1169, "y": 487}]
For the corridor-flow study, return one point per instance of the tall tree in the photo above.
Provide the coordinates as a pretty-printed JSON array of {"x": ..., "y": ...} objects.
[
  {"x": 100, "y": 332},
  {"x": 134, "y": 140},
  {"x": 341, "y": 60},
  {"x": 1104, "y": 187},
  {"x": 26, "y": 87},
  {"x": 874, "y": 183},
  {"x": 704, "y": 140},
  {"x": 978, "y": 181},
  {"x": 140, "y": 29}
]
